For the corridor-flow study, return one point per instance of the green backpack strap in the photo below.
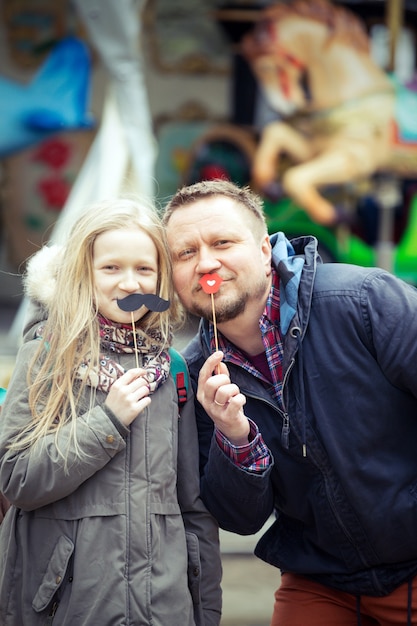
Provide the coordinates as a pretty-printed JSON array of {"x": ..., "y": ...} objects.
[{"x": 179, "y": 372}]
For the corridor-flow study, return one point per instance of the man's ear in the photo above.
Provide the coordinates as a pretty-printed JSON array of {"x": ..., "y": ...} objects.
[{"x": 266, "y": 253}]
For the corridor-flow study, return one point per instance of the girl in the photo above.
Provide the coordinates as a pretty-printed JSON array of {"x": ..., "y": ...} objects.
[{"x": 99, "y": 466}]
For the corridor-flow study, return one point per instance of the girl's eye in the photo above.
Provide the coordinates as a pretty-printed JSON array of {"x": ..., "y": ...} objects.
[{"x": 146, "y": 270}]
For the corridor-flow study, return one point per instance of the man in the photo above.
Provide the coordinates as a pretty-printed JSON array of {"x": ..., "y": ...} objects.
[{"x": 312, "y": 397}]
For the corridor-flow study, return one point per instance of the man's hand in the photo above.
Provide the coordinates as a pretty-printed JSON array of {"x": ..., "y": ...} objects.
[{"x": 222, "y": 400}]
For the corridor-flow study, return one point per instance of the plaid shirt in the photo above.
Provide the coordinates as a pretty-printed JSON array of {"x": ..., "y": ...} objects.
[{"x": 254, "y": 456}]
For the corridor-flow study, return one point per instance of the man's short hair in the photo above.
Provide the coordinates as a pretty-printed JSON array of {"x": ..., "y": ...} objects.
[{"x": 190, "y": 194}]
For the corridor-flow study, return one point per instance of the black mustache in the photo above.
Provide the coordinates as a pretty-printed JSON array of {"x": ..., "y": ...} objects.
[{"x": 134, "y": 301}]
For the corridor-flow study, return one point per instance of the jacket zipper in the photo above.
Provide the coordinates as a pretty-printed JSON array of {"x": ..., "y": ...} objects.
[
  {"x": 285, "y": 433},
  {"x": 285, "y": 442}
]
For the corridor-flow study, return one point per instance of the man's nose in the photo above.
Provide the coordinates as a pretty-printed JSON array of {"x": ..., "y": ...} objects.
[{"x": 207, "y": 261}]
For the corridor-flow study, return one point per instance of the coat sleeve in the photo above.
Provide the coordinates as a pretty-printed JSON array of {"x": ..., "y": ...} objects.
[
  {"x": 390, "y": 318},
  {"x": 240, "y": 500},
  {"x": 35, "y": 478},
  {"x": 201, "y": 528}
]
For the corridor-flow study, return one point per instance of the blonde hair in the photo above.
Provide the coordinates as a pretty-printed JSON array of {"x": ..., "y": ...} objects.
[{"x": 71, "y": 331}]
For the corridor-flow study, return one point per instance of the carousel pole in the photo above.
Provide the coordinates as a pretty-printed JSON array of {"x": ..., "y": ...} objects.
[
  {"x": 394, "y": 20},
  {"x": 389, "y": 192}
]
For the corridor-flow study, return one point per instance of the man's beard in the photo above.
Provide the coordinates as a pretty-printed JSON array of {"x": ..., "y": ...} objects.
[
  {"x": 228, "y": 309},
  {"x": 224, "y": 312}
]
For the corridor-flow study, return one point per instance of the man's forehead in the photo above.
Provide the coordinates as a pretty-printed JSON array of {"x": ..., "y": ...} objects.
[
  {"x": 203, "y": 209},
  {"x": 208, "y": 225}
]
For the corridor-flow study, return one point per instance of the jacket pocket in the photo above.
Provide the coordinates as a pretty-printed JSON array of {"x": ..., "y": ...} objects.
[
  {"x": 194, "y": 575},
  {"x": 54, "y": 575}
]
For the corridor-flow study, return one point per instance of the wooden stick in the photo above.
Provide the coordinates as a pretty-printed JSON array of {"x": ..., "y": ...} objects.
[
  {"x": 214, "y": 322},
  {"x": 134, "y": 339},
  {"x": 216, "y": 341}
]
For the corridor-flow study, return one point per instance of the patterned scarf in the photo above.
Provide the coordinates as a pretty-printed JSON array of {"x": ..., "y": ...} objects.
[{"x": 118, "y": 338}]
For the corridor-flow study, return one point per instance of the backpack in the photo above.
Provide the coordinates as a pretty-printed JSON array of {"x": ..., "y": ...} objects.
[{"x": 179, "y": 373}]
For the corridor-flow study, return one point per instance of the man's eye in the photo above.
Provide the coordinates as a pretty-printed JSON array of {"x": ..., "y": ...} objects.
[{"x": 184, "y": 254}]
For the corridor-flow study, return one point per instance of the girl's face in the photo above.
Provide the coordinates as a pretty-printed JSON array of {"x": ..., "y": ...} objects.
[{"x": 125, "y": 261}]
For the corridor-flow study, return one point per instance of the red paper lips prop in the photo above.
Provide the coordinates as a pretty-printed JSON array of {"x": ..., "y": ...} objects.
[{"x": 210, "y": 283}]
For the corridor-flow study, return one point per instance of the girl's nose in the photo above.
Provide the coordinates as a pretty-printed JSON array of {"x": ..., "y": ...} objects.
[{"x": 129, "y": 283}]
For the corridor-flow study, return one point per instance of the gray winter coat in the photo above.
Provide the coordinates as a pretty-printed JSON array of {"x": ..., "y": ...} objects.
[{"x": 123, "y": 539}]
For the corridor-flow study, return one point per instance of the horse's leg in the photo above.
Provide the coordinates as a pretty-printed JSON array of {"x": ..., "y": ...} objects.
[
  {"x": 277, "y": 137},
  {"x": 334, "y": 166}
]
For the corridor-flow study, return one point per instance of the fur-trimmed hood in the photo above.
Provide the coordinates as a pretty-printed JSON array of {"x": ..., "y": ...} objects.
[{"x": 40, "y": 279}]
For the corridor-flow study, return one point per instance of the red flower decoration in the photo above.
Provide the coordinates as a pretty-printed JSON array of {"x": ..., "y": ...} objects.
[
  {"x": 213, "y": 171},
  {"x": 210, "y": 283},
  {"x": 53, "y": 152},
  {"x": 55, "y": 191}
]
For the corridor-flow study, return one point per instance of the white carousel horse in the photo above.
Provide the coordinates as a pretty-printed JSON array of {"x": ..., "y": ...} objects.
[{"x": 338, "y": 109}]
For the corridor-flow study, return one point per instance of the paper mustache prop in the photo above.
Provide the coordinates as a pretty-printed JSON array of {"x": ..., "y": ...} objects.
[{"x": 134, "y": 301}]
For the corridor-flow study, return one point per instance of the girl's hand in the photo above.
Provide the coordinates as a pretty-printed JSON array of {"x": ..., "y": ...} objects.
[
  {"x": 222, "y": 400},
  {"x": 128, "y": 396}
]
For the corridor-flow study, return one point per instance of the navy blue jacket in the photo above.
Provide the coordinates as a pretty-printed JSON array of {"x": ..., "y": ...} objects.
[{"x": 346, "y": 513}]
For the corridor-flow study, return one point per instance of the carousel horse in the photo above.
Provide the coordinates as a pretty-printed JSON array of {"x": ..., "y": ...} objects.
[{"x": 338, "y": 110}]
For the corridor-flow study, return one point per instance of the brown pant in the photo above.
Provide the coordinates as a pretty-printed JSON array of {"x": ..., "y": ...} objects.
[{"x": 301, "y": 602}]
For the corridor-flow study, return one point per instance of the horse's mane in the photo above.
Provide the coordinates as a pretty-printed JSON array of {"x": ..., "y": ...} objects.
[{"x": 342, "y": 24}]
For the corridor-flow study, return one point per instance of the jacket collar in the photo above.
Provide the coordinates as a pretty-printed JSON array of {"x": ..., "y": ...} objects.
[
  {"x": 289, "y": 267},
  {"x": 295, "y": 262}
]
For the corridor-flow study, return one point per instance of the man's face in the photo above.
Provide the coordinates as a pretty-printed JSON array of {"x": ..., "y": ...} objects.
[{"x": 217, "y": 235}]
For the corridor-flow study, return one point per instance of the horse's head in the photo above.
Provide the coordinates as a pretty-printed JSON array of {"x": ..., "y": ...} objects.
[
  {"x": 294, "y": 44},
  {"x": 276, "y": 67}
]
